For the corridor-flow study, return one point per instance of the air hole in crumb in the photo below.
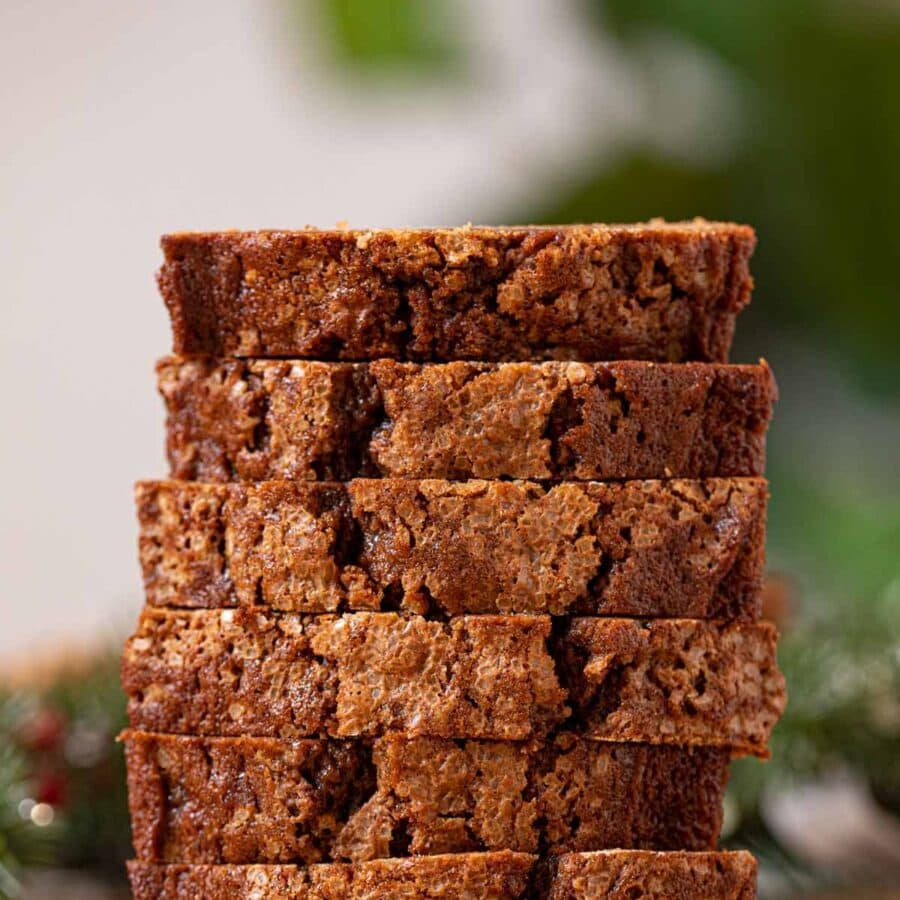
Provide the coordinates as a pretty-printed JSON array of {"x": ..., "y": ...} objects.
[{"x": 401, "y": 840}]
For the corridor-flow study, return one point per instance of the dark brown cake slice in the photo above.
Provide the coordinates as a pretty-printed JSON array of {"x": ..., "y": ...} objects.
[
  {"x": 254, "y": 420},
  {"x": 267, "y": 800},
  {"x": 656, "y": 291},
  {"x": 611, "y": 875},
  {"x": 638, "y": 548},
  {"x": 242, "y": 671}
]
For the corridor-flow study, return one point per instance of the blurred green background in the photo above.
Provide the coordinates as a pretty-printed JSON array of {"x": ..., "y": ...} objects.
[{"x": 803, "y": 142}]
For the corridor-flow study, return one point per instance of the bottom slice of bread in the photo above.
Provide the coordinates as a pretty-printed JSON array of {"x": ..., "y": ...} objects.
[{"x": 613, "y": 874}]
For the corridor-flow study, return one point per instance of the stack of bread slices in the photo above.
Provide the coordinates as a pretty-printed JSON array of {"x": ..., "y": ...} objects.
[{"x": 454, "y": 591}]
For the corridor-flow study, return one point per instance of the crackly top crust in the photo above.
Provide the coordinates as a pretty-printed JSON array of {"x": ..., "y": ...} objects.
[
  {"x": 252, "y": 420},
  {"x": 637, "y": 548},
  {"x": 268, "y": 800},
  {"x": 675, "y": 681},
  {"x": 656, "y": 291}
]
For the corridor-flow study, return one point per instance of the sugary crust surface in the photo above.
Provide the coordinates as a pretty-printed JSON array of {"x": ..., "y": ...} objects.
[
  {"x": 656, "y": 291},
  {"x": 655, "y": 876},
  {"x": 640, "y": 548},
  {"x": 475, "y": 876},
  {"x": 611, "y": 875},
  {"x": 265, "y": 800},
  {"x": 253, "y": 420},
  {"x": 676, "y": 681}
]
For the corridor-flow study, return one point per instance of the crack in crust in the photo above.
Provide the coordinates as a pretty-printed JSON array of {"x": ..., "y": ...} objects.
[
  {"x": 652, "y": 548},
  {"x": 261, "y": 800},
  {"x": 252, "y": 420},
  {"x": 658, "y": 292},
  {"x": 243, "y": 672},
  {"x": 612, "y": 875}
]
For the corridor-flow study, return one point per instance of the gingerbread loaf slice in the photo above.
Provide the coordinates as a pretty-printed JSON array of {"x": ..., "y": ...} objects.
[
  {"x": 639, "y": 548},
  {"x": 265, "y": 800},
  {"x": 254, "y": 420},
  {"x": 245, "y": 672},
  {"x": 504, "y": 875},
  {"x": 656, "y": 291}
]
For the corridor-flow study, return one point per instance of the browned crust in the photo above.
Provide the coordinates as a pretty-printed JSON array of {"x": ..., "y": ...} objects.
[
  {"x": 676, "y": 681},
  {"x": 611, "y": 875},
  {"x": 265, "y": 800},
  {"x": 253, "y": 420},
  {"x": 657, "y": 291},
  {"x": 641, "y": 548}
]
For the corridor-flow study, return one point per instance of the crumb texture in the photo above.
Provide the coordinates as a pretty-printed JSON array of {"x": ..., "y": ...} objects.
[
  {"x": 706, "y": 682},
  {"x": 676, "y": 681},
  {"x": 674, "y": 548},
  {"x": 262, "y": 800},
  {"x": 476, "y": 876},
  {"x": 658, "y": 292},
  {"x": 612, "y": 875},
  {"x": 242, "y": 800},
  {"x": 655, "y": 876},
  {"x": 254, "y": 420},
  {"x": 243, "y": 672}
]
